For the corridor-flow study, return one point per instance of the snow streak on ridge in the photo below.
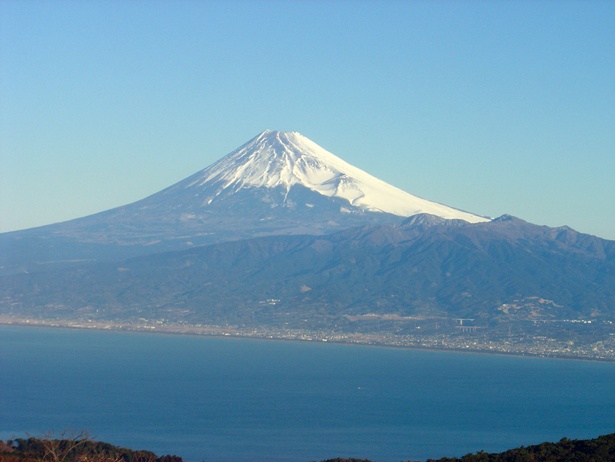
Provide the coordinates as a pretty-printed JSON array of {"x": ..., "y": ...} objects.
[{"x": 276, "y": 159}]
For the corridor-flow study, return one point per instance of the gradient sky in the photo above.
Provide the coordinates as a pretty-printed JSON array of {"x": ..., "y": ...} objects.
[{"x": 491, "y": 107}]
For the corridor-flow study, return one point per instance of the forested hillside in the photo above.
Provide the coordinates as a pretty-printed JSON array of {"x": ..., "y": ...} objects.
[
  {"x": 601, "y": 449},
  {"x": 80, "y": 449}
]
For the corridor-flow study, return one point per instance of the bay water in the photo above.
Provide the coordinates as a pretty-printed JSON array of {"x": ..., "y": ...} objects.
[{"x": 239, "y": 400}]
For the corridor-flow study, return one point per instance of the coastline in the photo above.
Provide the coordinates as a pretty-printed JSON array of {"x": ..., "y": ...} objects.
[{"x": 379, "y": 340}]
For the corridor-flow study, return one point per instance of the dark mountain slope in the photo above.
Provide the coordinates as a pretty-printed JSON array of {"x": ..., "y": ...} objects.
[{"x": 422, "y": 267}]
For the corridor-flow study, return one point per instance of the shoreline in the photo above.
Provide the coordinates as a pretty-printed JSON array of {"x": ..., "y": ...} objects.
[{"x": 272, "y": 334}]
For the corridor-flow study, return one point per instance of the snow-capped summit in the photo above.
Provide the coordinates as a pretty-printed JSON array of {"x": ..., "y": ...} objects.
[
  {"x": 278, "y": 183},
  {"x": 282, "y": 160}
]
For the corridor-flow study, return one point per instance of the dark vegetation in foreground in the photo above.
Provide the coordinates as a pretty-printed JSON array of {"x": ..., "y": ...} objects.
[
  {"x": 81, "y": 448},
  {"x": 601, "y": 449},
  {"x": 77, "y": 447}
]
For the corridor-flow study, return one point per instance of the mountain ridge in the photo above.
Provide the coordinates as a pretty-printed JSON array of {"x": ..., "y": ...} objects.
[
  {"x": 465, "y": 270},
  {"x": 277, "y": 183}
]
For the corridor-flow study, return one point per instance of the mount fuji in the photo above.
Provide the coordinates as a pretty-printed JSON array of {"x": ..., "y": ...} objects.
[
  {"x": 283, "y": 162},
  {"x": 278, "y": 183},
  {"x": 281, "y": 237}
]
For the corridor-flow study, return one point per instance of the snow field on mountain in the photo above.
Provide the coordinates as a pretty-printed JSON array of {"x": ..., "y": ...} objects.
[{"x": 284, "y": 159}]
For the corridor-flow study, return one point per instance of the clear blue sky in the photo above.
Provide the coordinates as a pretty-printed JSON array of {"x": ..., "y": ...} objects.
[{"x": 491, "y": 107}]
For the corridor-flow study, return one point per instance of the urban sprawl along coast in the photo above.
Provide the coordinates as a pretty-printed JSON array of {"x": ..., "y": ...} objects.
[{"x": 538, "y": 340}]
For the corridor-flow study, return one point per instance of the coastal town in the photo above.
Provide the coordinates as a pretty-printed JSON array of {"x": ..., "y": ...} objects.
[{"x": 533, "y": 339}]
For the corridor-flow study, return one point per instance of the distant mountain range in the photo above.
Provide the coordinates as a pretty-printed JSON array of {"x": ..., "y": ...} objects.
[{"x": 281, "y": 232}]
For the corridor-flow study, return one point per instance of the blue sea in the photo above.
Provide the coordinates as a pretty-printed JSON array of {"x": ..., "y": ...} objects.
[{"x": 215, "y": 400}]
